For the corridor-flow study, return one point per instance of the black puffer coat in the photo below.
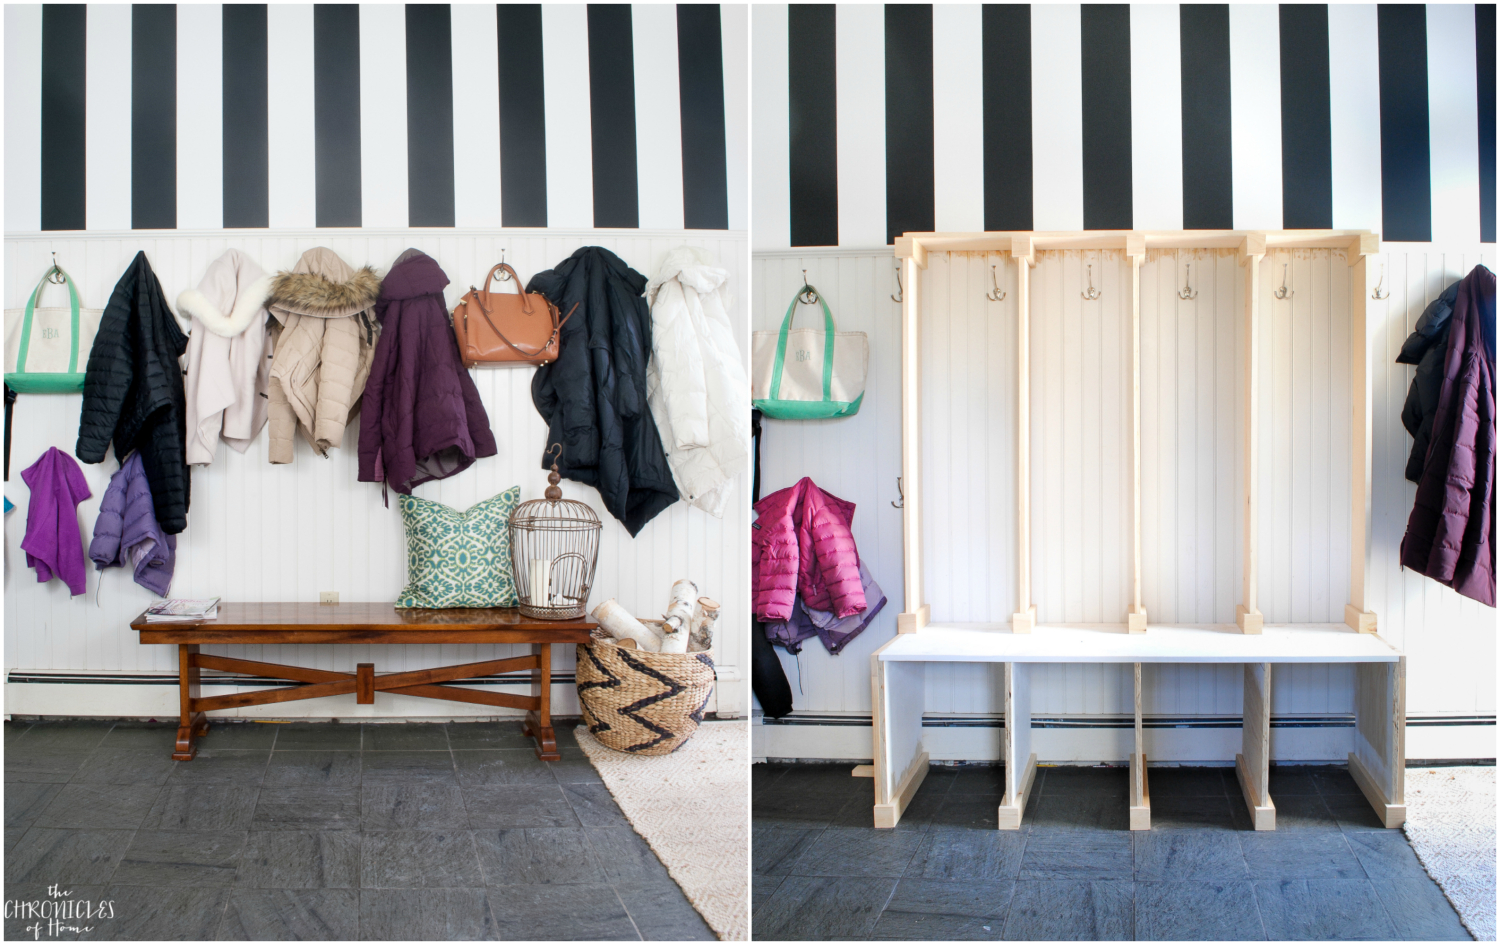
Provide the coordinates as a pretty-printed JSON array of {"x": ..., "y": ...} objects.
[
  {"x": 593, "y": 396},
  {"x": 133, "y": 392},
  {"x": 1425, "y": 348}
]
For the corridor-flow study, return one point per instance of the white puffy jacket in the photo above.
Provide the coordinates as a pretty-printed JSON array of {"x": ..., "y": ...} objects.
[{"x": 696, "y": 382}]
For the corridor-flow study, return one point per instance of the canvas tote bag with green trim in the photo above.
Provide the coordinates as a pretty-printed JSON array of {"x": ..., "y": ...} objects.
[
  {"x": 809, "y": 373},
  {"x": 47, "y": 349}
]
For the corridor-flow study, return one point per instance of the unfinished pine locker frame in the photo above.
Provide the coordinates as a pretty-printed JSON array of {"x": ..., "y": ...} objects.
[{"x": 897, "y": 668}]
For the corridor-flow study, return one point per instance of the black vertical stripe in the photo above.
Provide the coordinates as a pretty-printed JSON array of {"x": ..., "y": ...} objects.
[
  {"x": 64, "y": 34},
  {"x": 153, "y": 116},
  {"x": 910, "y": 200},
  {"x": 429, "y": 114},
  {"x": 1207, "y": 150},
  {"x": 700, "y": 81},
  {"x": 1104, "y": 35},
  {"x": 1306, "y": 121},
  {"x": 247, "y": 200},
  {"x": 812, "y": 125},
  {"x": 523, "y": 116},
  {"x": 336, "y": 145},
  {"x": 1484, "y": 60},
  {"x": 612, "y": 115},
  {"x": 1007, "y": 116},
  {"x": 1405, "y": 152}
]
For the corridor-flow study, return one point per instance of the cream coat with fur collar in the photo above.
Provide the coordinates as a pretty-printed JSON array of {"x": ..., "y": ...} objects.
[
  {"x": 227, "y": 367},
  {"x": 324, "y": 330}
]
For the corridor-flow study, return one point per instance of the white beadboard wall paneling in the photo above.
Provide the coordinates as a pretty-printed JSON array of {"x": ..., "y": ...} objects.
[
  {"x": 958, "y": 116},
  {"x": 1453, "y": 122},
  {"x": 771, "y": 144},
  {"x": 1255, "y": 115},
  {"x": 1156, "y": 116},
  {"x": 200, "y": 116},
  {"x": 1192, "y": 364},
  {"x": 1056, "y": 117},
  {"x": 658, "y": 109},
  {"x": 859, "y": 78},
  {"x": 107, "y": 33},
  {"x": 476, "y": 109},
  {"x": 566, "y": 111},
  {"x": 23, "y": 115},
  {"x": 262, "y": 532},
  {"x": 292, "y": 175}
]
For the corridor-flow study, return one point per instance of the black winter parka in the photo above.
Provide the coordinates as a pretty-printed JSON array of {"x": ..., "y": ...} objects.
[
  {"x": 133, "y": 392},
  {"x": 593, "y": 396}
]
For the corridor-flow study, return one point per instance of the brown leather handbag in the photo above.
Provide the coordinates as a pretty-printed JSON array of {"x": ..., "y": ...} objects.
[{"x": 501, "y": 328}]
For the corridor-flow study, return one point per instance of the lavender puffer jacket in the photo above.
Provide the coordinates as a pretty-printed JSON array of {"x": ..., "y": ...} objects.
[{"x": 801, "y": 545}]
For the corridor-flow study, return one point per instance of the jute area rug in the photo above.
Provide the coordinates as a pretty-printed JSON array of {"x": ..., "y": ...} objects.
[
  {"x": 1450, "y": 821},
  {"x": 693, "y": 808}
]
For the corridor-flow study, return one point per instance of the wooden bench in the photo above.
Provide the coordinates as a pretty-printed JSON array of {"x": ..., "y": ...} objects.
[
  {"x": 247, "y": 623},
  {"x": 898, "y": 679}
]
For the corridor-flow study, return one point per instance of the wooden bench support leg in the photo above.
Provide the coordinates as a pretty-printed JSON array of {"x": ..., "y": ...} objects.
[
  {"x": 1140, "y": 791},
  {"x": 898, "y": 691},
  {"x": 539, "y": 721},
  {"x": 1253, "y": 765},
  {"x": 364, "y": 684},
  {"x": 192, "y": 723},
  {"x": 1378, "y": 762},
  {"x": 1020, "y": 760}
]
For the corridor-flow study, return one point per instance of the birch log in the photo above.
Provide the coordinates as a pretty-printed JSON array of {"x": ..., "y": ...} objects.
[
  {"x": 701, "y": 631},
  {"x": 680, "y": 606},
  {"x": 623, "y": 626}
]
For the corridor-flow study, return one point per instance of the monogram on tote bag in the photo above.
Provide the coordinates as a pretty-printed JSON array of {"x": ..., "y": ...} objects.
[
  {"x": 47, "y": 349},
  {"x": 808, "y": 373}
]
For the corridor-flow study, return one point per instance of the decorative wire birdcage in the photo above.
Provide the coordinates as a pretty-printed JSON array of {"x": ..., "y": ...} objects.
[{"x": 554, "y": 545}]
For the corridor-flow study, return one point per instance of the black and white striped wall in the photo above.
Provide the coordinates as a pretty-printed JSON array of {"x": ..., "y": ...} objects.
[
  {"x": 202, "y": 116},
  {"x": 871, "y": 121}
]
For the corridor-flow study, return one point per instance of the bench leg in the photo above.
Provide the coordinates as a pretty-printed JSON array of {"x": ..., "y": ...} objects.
[
  {"x": 1252, "y": 766},
  {"x": 1378, "y": 762},
  {"x": 192, "y": 724},
  {"x": 539, "y": 721},
  {"x": 898, "y": 692}
]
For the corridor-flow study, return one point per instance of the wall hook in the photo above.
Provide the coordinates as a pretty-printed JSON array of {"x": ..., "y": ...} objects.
[
  {"x": 1283, "y": 293},
  {"x": 1091, "y": 294},
  {"x": 504, "y": 276},
  {"x": 1187, "y": 293},
  {"x": 900, "y": 290},
  {"x": 902, "y": 503},
  {"x": 994, "y": 295},
  {"x": 807, "y": 295},
  {"x": 1375, "y": 294},
  {"x": 55, "y": 276}
]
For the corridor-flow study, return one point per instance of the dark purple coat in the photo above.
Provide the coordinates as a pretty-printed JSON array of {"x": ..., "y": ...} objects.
[
  {"x": 1450, "y": 535},
  {"x": 420, "y": 418}
]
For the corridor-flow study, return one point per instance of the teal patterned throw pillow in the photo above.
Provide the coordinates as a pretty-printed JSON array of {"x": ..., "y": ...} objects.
[{"x": 458, "y": 559}]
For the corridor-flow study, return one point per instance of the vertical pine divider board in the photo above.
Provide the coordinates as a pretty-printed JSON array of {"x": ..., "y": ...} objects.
[{"x": 898, "y": 678}]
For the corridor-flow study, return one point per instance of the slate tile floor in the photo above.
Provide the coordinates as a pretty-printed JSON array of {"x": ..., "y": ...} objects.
[
  {"x": 329, "y": 831},
  {"x": 1074, "y": 870}
]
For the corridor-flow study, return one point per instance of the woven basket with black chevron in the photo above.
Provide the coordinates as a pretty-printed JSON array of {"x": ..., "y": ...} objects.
[{"x": 639, "y": 702}]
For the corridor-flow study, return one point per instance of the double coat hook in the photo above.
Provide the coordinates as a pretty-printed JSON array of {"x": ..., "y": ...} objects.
[
  {"x": 1375, "y": 293},
  {"x": 1283, "y": 293},
  {"x": 900, "y": 292},
  {"x": 994, "y": 295},
  {"x": 901, "y": 504},
  {"x": 1091, "y": 294},
  {"x": 55, "y": 276},
  {"x": 807, "y": 294},
  {"x": 1187, "y": 293}
]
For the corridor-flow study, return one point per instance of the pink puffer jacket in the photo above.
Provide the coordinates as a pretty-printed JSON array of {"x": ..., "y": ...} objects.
[{"x": 801, "y": 544}]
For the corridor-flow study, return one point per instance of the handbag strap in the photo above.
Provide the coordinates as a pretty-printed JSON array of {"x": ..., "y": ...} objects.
[
  {"x": 31, "y": 308},
  {"x": 830, "y": 330},
  {"x": 556, "y": 328},
  {"x": 498, "y": 267}
]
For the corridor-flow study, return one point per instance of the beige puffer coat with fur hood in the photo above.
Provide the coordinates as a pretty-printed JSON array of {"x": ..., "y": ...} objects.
[{"x": 323, "y": 328}]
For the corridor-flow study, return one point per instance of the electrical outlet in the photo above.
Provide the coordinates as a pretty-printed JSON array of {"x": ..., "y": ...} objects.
[{"x": 328, "y": 597}]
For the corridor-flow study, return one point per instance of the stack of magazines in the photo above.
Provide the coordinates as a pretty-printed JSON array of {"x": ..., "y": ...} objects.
[{"x": 182, "y": 608}]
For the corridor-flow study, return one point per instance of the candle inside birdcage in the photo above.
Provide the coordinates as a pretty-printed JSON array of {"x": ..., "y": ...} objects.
[{"x": 554, "y": 545}]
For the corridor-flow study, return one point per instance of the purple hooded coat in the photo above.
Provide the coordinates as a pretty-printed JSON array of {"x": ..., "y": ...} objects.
[
  {"x": 421, "y": 417},
  {"x": 53, "y": 543},
  {"x": 1450, "y": 534},
  {"x": 126, "y": 531}
]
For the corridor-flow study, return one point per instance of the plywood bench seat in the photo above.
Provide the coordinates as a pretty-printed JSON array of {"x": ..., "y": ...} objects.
[
  {"x": 898, "y": 685},
  {"x": 364, "y": 623}
]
